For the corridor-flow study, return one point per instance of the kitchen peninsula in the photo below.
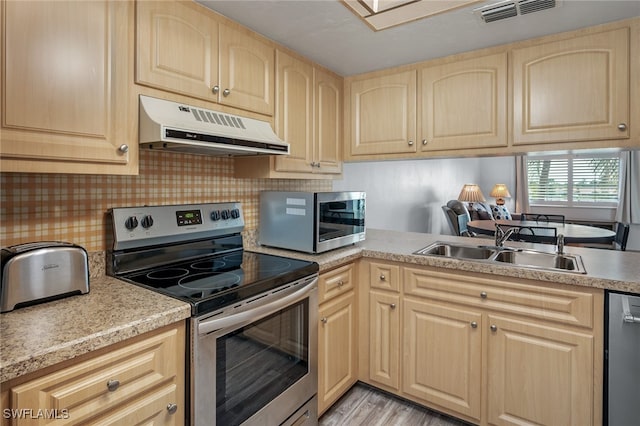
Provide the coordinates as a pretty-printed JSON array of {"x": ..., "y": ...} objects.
[{"x": 26, "y": 357}]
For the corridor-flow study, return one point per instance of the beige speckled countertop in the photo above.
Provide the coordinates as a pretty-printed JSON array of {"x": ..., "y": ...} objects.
[
  {"x": 606, "y": 269},
  {"x": 43, "y": 335}
]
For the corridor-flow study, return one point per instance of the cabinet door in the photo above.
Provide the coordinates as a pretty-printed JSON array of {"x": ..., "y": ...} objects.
[
  {"x": 177, "y": 48},
  {"x": 65, "y": 87},
  {"x": 572, "y": 90},
  {"x": 246, "y": 72},
  {"x": 137, "y": 381},
  {"x": 464, "y": 104},
  {"x": 294, "y": 112},
  {"x": 328, "y": 123},
  {"x": 442, "y": 359},
  {"x": 539, "y": 375},
  {"x": 383, "y": 114},
  {"x": 384, "y": 339},
  {"x": 337, "y": 349}
]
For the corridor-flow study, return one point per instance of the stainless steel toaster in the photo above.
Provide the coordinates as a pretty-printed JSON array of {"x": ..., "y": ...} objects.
[{"x": 39, "y": 272}]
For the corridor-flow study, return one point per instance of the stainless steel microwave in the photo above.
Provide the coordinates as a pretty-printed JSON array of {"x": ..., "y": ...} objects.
[{"x": 311, "y": 222}]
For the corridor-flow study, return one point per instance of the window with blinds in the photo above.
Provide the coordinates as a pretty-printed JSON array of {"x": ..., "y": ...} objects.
[{"x": 573, "y": 180}]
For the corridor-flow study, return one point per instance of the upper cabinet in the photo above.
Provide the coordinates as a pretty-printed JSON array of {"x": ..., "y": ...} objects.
[
  {"x": 463, "y": 104},
  {"x": 382, "y": 114},
  {"x": 182, "y": 49},
  {"x": 572, "y": 90},
  {"x": 66, "y": 105},
  {"x": 581, "y": 89},
  {"x": 309, "y": 117}
]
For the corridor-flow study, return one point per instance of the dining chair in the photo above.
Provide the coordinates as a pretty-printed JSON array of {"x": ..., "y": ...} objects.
[
  {"x": 541, "y": 217},
  {"x": 622, "y": 235},
  {"x": 457, "y": 222}
]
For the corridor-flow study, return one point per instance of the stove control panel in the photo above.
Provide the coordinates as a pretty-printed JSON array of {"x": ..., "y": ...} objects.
[{"x": 149, "y": 225}]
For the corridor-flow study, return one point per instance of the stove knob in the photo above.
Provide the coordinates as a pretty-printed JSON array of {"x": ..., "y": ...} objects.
[
  {"x": 215, "y": 215},
  {"x": 131, "y": 223},
  {"x": 225, "y": 214},
  {"x": 147, "y": 222},
  {"x": 235, "y": 213}
]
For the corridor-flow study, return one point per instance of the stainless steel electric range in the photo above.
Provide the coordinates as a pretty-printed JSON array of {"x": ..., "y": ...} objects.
[{"x": 252, "y": 340}]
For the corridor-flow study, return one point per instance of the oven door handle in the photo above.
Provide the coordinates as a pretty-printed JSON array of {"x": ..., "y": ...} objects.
[{"x": 253, "y": 314}]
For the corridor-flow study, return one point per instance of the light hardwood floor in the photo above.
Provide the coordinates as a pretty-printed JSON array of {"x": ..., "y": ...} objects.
[{"x": 363, "y": 405}]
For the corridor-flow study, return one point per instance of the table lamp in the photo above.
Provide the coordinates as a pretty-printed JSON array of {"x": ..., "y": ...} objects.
[
  {"x": 500, "y": 192},
  {"x": 471, "y": 193}
]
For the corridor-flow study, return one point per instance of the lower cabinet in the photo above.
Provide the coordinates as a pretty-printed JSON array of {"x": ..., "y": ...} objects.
[
  {"x": 442, "y": 361},
  {"x": 139, "y": 382},
  {"x": 489, "y": 350},
  {"x": 337, "y": 335}
]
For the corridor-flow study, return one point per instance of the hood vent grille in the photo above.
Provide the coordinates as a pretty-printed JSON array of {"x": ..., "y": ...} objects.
[{"x": 508, "y": 9}]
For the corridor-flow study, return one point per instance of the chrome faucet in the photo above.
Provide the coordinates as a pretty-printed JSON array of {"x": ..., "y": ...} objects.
[
  {"x": 560, "y": 244},
  {"x": 502, "y": 235}
]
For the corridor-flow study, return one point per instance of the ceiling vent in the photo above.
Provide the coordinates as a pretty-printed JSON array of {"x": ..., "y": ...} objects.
[{"x": 508, "y": 9}]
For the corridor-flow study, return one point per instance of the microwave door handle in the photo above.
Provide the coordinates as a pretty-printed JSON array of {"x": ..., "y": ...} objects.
[{"x": 247, "y": 317}]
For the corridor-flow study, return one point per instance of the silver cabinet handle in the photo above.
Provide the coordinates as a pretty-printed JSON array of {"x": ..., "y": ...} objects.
[
  {"x": 113, "y": 385},
  {"x": 392, "y": 306},
  {"x": 494, "y": 327},
  {"x": 215, "y": 89},
  {"x": 226, "y": 92},
  {"x": 340, "y": 283},
  {"x": 483, "y": 294},
  {"x": 124, "y": 148},
  {"x": 324, "y": 320},
  {"x": 410, "y": 143},
  {"x": 622, "y": 127},
  {"x": 424, "y": 142},
  {"x": 382, "y": 277},
  {"x": 172, "y": 408},
  {"x": 474, "y": 324}
]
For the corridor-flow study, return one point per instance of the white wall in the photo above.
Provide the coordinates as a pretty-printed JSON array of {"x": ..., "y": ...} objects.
[{"x": 408, "y": 195}]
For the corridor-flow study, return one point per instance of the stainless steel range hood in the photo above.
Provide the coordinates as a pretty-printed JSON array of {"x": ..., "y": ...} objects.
[{"x": 171, "y": 126}]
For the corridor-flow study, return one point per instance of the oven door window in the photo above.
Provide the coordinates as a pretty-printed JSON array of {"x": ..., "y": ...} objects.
[
  {"x": 256, "y": 363},
  {"x": 340, "y": 218}
]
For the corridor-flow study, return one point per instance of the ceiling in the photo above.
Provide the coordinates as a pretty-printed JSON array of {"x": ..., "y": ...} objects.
[{"x": 331, "y": 35}]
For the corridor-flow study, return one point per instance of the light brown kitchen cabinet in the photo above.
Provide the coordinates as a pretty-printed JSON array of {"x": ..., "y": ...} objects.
[
  {"x": 134, "y": 382},
  {"x": 463, "y": 104},
  {"x": 550, "y": 365},
  {"x": 309, "y": 118},
  {"x": 182, "y": 47},
  {"x": 575, "y": 89},
  {"x": 537, "y": 337},
  {"x": 337, "y": 335},
  {"x": 442, "y": 351},
  {"x": 382, "y": 114},
  {"x": 66, "y": 105}
]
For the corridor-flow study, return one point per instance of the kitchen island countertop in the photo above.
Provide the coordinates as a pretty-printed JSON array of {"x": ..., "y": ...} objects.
[{"x": 606, "y": 269}]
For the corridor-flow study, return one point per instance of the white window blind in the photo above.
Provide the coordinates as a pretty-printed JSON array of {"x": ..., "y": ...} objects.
[{"x": 572, "y": 180}]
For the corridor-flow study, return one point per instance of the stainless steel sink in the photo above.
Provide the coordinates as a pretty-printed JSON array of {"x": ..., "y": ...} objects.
[
  {"x": 457, "y": 251},
  {"x": 506, "y": 255},
  {"x": 537, "y": 259}
]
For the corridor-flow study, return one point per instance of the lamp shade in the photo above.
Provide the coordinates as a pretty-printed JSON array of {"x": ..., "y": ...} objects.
[
  {"x": 471, "y": 193},
  {"x": 500, "y": 192}
]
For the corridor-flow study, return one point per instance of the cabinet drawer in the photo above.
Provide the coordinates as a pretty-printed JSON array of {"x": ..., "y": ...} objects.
[
  {"x": 521, "y": 297},
  {"x": 335, "y": 282},
  {"x": 83, "y": 390},
  {"x": 384, "y": 276}
]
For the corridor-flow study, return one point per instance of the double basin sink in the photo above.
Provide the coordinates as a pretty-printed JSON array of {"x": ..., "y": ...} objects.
[{"x": 524, "y": 258}]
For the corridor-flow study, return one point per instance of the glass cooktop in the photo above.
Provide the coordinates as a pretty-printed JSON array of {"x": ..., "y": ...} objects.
[{"x": 214, "y": 282}]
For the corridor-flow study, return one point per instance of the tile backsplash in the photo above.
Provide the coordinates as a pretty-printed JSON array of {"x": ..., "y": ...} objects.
[{"x": 56, "y": 207}]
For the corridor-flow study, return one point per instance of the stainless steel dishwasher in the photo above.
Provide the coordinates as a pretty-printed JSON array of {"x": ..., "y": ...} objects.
[{"x": 622, "y": 358}]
